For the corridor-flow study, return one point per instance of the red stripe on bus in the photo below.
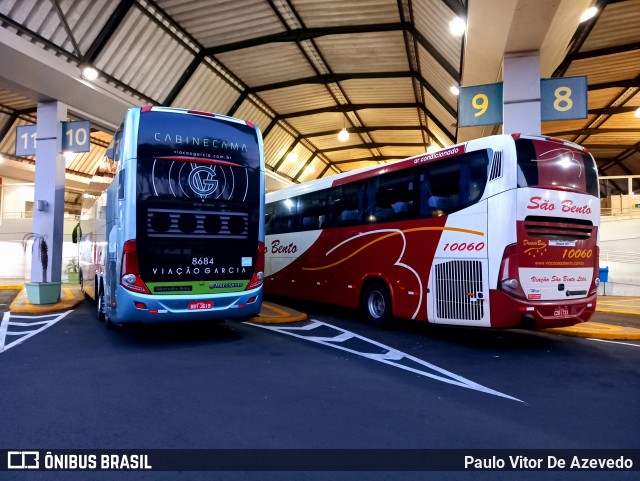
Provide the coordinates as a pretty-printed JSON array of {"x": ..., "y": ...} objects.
[{"x": 200, "y": 160}]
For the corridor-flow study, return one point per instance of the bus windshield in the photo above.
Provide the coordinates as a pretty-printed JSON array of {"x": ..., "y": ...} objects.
[{"x": 554, "y": 165}]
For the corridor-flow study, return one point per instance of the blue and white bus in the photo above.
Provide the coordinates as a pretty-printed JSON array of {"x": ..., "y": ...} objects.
[{"x": 179, "y": 233}]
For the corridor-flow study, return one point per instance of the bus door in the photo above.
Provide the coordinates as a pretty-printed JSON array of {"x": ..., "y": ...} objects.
[{"x": 458, "y": 288}]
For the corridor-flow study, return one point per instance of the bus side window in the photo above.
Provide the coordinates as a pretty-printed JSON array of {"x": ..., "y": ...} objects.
[
  {"x": 311, "y": 208},
  {"x": 345, "y": 205},
  {"x": 283, "y": 217}
]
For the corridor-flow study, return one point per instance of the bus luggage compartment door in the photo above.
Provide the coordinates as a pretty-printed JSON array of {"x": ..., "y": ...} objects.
[{"x": 458, "y": 293}]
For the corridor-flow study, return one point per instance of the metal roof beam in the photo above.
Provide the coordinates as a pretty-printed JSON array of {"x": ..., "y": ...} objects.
[
  {"x": 378, "y": 158},
  {"x": 629, "y": 47},
  {"x": 360, "y": 130},
  {"x": 372, "y": 145},
  {"x": 594, "y": 131},
  {"x": 301, "y": 34}
]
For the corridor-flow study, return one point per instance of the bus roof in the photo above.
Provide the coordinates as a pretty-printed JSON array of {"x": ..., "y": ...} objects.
[{"x": 366, "y": 172}]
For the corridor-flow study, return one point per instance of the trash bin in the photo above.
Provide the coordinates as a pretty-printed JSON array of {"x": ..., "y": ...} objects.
[
  {"x": 604, "y": 277},
  {"x": 604, "y": 274}
]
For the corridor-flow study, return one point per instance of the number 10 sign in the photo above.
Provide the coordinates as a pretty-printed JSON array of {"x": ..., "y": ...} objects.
[{"x": 560, "y": 99}]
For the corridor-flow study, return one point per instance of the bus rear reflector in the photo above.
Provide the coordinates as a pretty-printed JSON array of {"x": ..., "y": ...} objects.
[
  {"x": 130, "y": 270},
  {"x": 146, "y": 108},
  {"x": 258, "y": 272}
]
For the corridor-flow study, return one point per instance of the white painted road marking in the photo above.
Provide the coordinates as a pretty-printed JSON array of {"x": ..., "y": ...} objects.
[
  {"x": 614, "y": 342},
  {"x": 389, "y": 355},
  {"x": 46, "y": 321}
]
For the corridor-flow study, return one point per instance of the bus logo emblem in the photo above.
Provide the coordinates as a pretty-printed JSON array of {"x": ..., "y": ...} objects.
[{"x": 201, "y": 180}]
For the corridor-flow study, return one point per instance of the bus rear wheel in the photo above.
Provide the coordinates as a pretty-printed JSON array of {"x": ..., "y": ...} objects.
[
  {"x": 100, "y": 304},
  {"x": 376, "y": 303}
]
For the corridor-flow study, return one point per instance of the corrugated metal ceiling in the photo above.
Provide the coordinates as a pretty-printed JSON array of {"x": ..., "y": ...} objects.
[{"x": 303, "y": 69}]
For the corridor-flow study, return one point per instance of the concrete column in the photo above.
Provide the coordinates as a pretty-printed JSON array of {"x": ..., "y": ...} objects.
[
  {"x": 48, "y": 204},
  {"x": 521, "y": 93}
]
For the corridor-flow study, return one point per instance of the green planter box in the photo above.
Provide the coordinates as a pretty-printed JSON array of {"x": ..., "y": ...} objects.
[{"x": 43, "y": 292}]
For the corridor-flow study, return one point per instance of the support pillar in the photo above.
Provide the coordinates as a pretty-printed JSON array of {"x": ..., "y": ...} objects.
[
  {"x": 521, "y": 93},
  {"x": 48, "y": 212}
]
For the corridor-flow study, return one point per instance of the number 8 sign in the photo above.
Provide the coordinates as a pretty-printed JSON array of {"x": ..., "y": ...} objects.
[{"x": 563, "y": 98}]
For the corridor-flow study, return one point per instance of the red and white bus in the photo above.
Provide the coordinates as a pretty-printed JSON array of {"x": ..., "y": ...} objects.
[{"x": 498, "y": 232}]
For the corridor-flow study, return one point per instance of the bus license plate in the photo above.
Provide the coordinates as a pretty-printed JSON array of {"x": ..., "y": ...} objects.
[{"x": 200, "y": 305}]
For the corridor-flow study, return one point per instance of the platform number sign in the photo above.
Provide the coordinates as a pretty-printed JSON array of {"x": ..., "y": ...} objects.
[
  {"x": 560, "y": 99},
  {"x": 25, "y": 140},
  {"x": 563, "y": 98},
  {"x": 76, "y": 137},
  {"x": 480, "y": 105}
]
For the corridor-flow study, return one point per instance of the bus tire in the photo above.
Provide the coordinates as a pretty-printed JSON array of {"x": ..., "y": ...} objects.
[
  {"x": 376, "y": 303},
  {"x": 100, "y": 303}
]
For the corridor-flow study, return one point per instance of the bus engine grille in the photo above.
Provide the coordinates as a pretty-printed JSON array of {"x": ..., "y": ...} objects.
[
  {"x": 558, "y": 228},
  {"x": 459, "y": 290},
  {"x": 165, "y": 223}
]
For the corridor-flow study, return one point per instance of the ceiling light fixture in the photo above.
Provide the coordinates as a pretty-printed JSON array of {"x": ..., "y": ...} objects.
[
  {"x": 292, "y": 157},
  {"x": 343, "y": 135},
  {"x": 637, "y": 113},
  {"x": 457, "y": 27},
  {"x": 588, "y": 14},
  {"x": 89, "y": 73},
  {"x": 454, "y": 90}
]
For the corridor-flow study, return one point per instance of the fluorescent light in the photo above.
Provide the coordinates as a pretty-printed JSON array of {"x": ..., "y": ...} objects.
[
  {"x": 457, "y": 27},
  {"x": 454, "y": 90},
  {"x": 292, "y": 157},
  {"x": 90, "y": 73},
  {"x": 343, "y": 135},
  {"x": 588, "y": 13}
]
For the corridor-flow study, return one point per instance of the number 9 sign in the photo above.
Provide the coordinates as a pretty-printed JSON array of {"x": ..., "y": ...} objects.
[{"x": 480, "y": 105}]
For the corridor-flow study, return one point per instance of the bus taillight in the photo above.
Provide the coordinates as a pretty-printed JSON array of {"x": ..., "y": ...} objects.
[
  {"x": 258, "y": 273},
  {"x": 130, "y": 270},
  {"x": 508, "y": 279}
]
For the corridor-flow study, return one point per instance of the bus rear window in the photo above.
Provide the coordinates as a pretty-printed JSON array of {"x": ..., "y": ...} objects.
[{"x": 554, "y": 165}]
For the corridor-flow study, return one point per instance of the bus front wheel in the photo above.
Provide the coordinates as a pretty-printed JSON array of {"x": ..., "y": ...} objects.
[{"x": 376, "y": 303}]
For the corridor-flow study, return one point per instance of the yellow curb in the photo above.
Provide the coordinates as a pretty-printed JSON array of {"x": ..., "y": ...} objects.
[
  {"x": 281, "y": 316},
  {"x": 12, "y": 288},
  {"x": 68, "y": 300},
  {"x": 619, "y": 311},
  {"x": 597, "y": 330}
]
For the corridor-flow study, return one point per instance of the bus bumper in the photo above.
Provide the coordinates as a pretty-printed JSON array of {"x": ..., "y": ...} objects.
[
  {"x": 507, "y": 311},
  {"x": 150, "y": 309}
]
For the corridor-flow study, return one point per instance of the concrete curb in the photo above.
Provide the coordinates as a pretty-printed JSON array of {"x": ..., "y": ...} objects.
[
  {"x": 597, "y": 330},
  {"x": 70, "y": 297},
  {"x": 276, "y": 314}
]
